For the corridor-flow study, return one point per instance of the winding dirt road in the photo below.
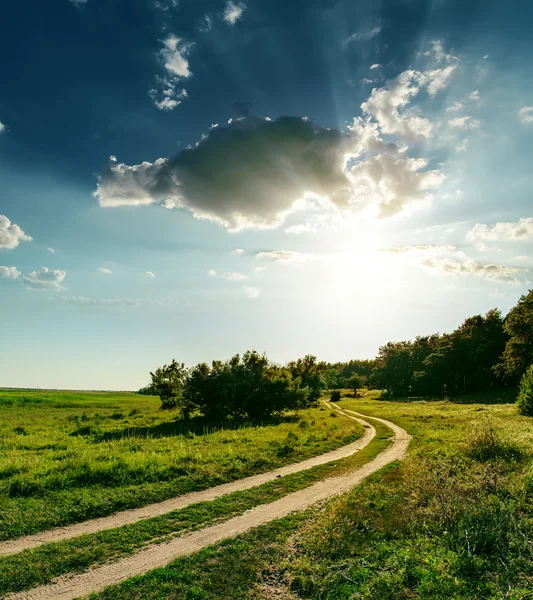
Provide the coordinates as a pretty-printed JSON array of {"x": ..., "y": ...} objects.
[
  {"x": 160, "y": 555},
  {"x": 149, "y": 511}
]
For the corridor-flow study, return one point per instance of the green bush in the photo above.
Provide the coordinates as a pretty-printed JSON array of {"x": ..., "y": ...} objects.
[
  {"x": 525, "y": 393},
  {"x": 335, "y": 395}
]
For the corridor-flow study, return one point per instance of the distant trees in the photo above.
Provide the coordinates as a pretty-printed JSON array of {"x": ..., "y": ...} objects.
[
  {"x": 241, "y": 387},
  {"x": 455, "y": 363},
  {"x": 525, "y": 393}
]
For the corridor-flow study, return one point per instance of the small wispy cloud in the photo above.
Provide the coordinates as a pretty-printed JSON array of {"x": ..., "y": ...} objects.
[
  {"x": 149, "y": 274},
  {"x": 45, "y": 279},
  {"x": 525, "y": 115},
  {"x": 252, "y": 292},
  {"x": 490, "y": 272},
  {"x": 465, "y": 122},
  {"x": 51, "y": 250},
  {"x": 105, "y": 270},
  {"x": 301, "y": 228},
  {"x": 233, "y": 12},
  {"x": 367, "y": 34},
  {"x": 78, "y": 2}
]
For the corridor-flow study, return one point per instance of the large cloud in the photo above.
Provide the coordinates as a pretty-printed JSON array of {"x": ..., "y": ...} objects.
[
  {"x": 2, "y": 127},
  {"x": 247, "y": 174},
  {"x": 522, "y": 230},
  {"x": 45, "y": 279},
  {"x": 251, "y": 172},
  {"x": 11, "y": 234}
]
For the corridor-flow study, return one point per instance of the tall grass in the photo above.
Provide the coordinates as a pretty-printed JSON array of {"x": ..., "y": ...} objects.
[{"x": 68, "y": 460}]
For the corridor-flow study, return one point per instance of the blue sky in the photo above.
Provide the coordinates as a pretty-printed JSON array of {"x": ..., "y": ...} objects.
[{"x": 190, "y": 179}]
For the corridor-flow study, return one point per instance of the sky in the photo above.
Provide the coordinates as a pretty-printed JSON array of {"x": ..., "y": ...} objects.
[{"x": 190, "y": 179}]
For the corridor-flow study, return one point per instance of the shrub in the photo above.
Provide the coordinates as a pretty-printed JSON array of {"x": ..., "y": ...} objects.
[
  {"x": 525, "y": 393},
  {"x": 335, "y": 395},
  {"x": 486, "y": 445}
]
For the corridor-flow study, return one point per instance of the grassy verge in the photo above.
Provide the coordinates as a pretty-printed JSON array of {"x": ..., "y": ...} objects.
[
  {"x": 454, "y": 520},
  {"x": 31, "y": 568},
  {"x": 66, "y": 457}
]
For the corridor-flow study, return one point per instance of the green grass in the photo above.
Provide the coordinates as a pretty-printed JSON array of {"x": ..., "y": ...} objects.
[
  {"x": 69, "y": 456},
  {"x": 38, "y": 566},
  {"x": 453, "y": 520}
]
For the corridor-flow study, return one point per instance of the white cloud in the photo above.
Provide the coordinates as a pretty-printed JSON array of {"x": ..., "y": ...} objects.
[
  {"x": 525, "y": 114},
  {"x": 78, "y": 2},
  {"x": 105, "y": 270},
  {"x": 233, "y": 12},
  {"x": 385, "y": 104},
  {"x": 238, "y": 251},
  {"x": 252, "y": 292},
  {"x": 11, "y": 234},
  {"x": 421, "y": 248},
  {"x": 45, "y": 278},
  {"x": 439, "y": 78},
  {"x": 455, "y": 107},
  {"x": 172, "y": 97},
  {"x": 10, "y": 272},
  {"x": 212, "y": 273},
  {"x": 368, "y": 34},
  {"x": 149, "y": 274},
  {"x": 2, "y": 127},
  {"x": 475, "y": 96},
  {"x": 489, "y": 271},
  {"x": 174, "y": 55},
  {"x": 464, "y": 123},
  {"x": 522, "y": 230},
  {"x": 462, "y": 145},
  {"x": 287, "y": 256},
  {"x": 51, "y": 250},
  {"x": 233, "y": 276},
  {"x": 116, "y": 302},
  {"x": 301, "y": 228},
  {"x": 374, "y": 66}
]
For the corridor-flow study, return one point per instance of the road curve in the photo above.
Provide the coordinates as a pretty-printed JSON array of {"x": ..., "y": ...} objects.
[
  {"x": 150, "y": 511},
  {"x": 160, "y": 555}
]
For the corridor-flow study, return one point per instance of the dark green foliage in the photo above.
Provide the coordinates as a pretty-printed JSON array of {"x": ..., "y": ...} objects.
[
  {"x": 335, "y": 396},
  {"x": 518, "y": 353},
  {"x": 450, "y": 364},
  {"x": 525, "y": 394},
  {"x": 249, "y": 387}
]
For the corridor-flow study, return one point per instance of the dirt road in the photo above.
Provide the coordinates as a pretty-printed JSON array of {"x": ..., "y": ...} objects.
[
  {"x": 70, "y": 587},
  {"x": 160, "y": 508}
]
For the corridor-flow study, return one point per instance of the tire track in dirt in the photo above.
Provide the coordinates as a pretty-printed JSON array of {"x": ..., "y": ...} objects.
[
  {"x": 149, "y": 511},
  {"x": 156, "y": 556}
]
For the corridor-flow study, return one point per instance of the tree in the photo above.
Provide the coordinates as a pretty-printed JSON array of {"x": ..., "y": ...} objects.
[
  {"x": 335, "y": 396},
  {"x": 518, "y": 353},
  {"x": 354, "y": 383},
  {"x": 525, "y": 394},
  {"x": 169, "y": 383}
]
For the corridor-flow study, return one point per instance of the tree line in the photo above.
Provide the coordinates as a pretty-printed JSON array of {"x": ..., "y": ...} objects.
[{"x": 484, "y": 352}]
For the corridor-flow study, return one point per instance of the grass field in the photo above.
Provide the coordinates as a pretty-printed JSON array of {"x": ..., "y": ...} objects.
[
  {"x": 454, "y": 520},
  {"x": 70, "y": 456}
]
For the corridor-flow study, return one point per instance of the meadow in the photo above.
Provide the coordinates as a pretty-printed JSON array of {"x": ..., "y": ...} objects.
[
  {"x": 453, "y": 520},
  {"x": 70, "y": 456}
]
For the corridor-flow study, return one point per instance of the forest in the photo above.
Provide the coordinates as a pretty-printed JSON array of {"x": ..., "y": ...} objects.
[{"x": 485, "y": 352}]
